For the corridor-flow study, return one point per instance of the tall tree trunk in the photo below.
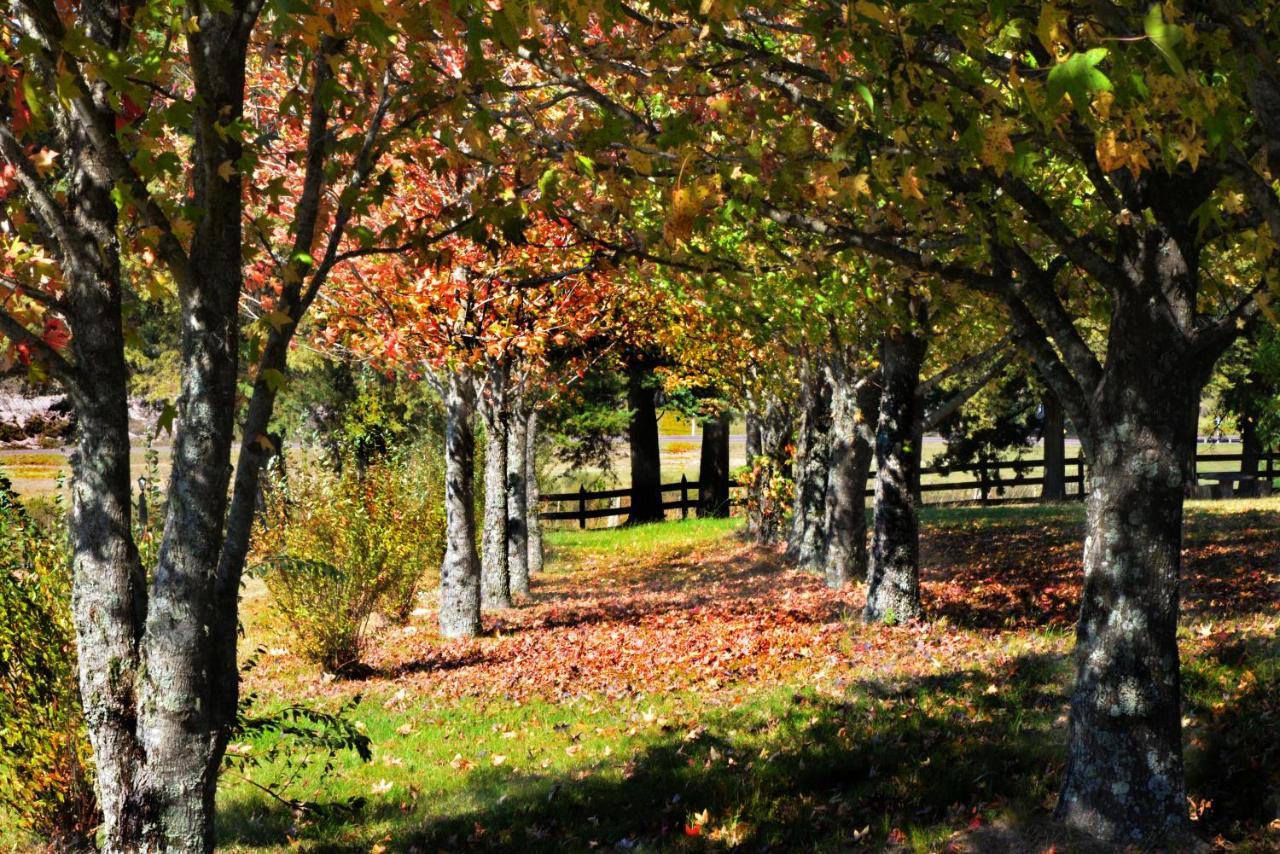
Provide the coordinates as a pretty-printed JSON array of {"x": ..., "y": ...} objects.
[
  {"x": 181, "y": 715},
  {"x": 109, "y": 584},
  {"x": 460, "y": 572},
  {"x": 517, "y": 500},
  {"x": 893, "y": 581},
  {"x": 713, "y": 468},
  {"x": 855, "y": 402},
  {"x": 1124, "y": 775},
  {"x": 1054, "y": 487},
  {"x": 646, "y": 460},
  {"x": 806, "y": 541},
  {"x": 495, "y": 577},
  {"x": 533, "y": 493}
]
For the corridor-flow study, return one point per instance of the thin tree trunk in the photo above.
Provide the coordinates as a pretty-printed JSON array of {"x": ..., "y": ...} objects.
[
  {"x": 893, "y": 581},
  {"x": 713, "y": 468},
  {"x": 753, "y": 452},
  {"x": 533, "y": 493},
  {"x": 646, "y": 460},
  {"x": 460, "y": 572},
  {"x": 805, "y": 543},
  {"x": 854, "y": 407},
  {"x": 1251, "y": 446},
  {"x": 1054, "y": 433},
  {"x": 517, "y": 501},
  {"x": 495, "y": 578}
]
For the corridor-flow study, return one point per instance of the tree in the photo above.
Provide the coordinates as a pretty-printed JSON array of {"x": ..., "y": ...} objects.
[{"x": 1078, "y": 162}]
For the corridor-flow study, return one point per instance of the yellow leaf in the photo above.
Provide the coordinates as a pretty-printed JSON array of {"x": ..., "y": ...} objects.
[
  {"x": 909, "y": 183},
  {"x": 226, "y": 170}
]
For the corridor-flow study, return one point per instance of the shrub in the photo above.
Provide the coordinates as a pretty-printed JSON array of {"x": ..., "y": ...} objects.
[
  {"x": 336, "y": 548},
  {"x": 46, "y": 778}
]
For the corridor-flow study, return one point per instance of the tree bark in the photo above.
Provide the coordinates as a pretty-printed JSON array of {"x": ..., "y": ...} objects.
[
  {"x": 855, "y": 403},
  {"x": 1054, "y": 487},
  {"x": 893, "y": 581},
  {"x": 495, "y": 577},
  {"x": 646, "y": 460},
  {"x": 460, "y": 572},
  {"x": 533, "y": 493},
  {"x": 713, "y": 468},
  {"x": 806, "y": 540},
  {"x": 517, "y": 500},
  {"x": 1124, "y": 776}
]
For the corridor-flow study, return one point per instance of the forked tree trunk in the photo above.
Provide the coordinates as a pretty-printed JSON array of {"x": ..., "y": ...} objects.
[
  {"x": 1124, "y": 775},
  {"x": 646, "y": 460},
  {"x": 893, "y": 580},
  {"x": 495, "y": 577},
  {"x": 1054, "y": 487},
  {"x": 854, "y": 408},
  {"x": 713, "y": 468},
  {"x": 517, "y": 502},
  {"x": 533, "y": 493},
  {"x": 806, "y": 540},
  {"x": 460, "y": 572}
]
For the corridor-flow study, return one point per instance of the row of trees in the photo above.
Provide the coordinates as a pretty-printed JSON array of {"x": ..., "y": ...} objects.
[{"x": 482, "y": 196}]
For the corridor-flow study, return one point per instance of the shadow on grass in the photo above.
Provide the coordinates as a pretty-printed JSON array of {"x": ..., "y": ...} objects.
[
  {"x": 1233, "y": 766},
  {"x": 917, "y": 759}
]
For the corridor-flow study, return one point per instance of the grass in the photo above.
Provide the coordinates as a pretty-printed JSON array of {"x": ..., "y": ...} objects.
[
  {"x": 670, "y": 688},
  {"x": 947, "y": 736}
]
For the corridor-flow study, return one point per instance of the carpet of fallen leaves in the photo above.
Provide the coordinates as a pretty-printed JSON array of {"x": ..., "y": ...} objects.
[{"x": 725, "y": 613}]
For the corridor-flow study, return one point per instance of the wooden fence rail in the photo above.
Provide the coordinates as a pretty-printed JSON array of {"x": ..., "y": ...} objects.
[{"x": 1004, "y": 482}]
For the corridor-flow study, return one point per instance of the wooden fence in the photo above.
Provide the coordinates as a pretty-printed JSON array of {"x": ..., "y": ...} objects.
[{"x": 1005, "y": 482}]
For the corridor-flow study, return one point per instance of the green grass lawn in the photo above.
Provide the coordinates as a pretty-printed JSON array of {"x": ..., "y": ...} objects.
[
  {"x": 670, "y": 687},
  {"x": 945, "y": 735}
]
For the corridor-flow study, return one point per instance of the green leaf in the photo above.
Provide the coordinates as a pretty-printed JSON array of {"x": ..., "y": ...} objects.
[
  {"x": 273, "y": 378},
  {"x": 1078, "y": 76},
  {"x": 865, "y": 94},
  {"x": 1165, "y": 37}
]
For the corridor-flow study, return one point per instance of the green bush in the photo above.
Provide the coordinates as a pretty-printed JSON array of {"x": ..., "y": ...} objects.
[
  {"x": 336, "y": 548},
  {"x": 46, "y": 777}
]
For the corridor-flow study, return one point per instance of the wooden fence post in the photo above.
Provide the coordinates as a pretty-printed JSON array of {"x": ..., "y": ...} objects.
[
  {"x": 684, "y": 497},
  {"x": 1079, "y": 477},
  {"x": 582, "y": 506}
]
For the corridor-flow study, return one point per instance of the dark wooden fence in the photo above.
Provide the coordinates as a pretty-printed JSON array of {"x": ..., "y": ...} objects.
[{"x": 1006, "y": 482}]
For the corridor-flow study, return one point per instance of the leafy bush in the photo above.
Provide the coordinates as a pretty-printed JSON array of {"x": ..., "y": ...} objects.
[
  {"x": 336, "y": 548},
  {"x": 46, "y": 777}
]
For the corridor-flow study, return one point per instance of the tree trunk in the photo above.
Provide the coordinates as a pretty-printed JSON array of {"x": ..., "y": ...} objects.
[
  {"x": 854, "y": 405},
  {"x": 517, "y": 501},
  {"x": 460, "y": 572},
  {"x": 893, "y": 581},
  {"x": 646, "y": 460},
  {"x": 1251, "y": 447},
  {"x": 109, "y": 583},
  {"x": 805, "y": 543},
  {"x": 1054, "y": 487},
  {"x": 495, "y": 577},
  {"x": 1124, "y": 776},
  {"x": 533, "y": 494},
  {"x": 754, "y": 500},
  {"x": 713, "y": 468}
]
